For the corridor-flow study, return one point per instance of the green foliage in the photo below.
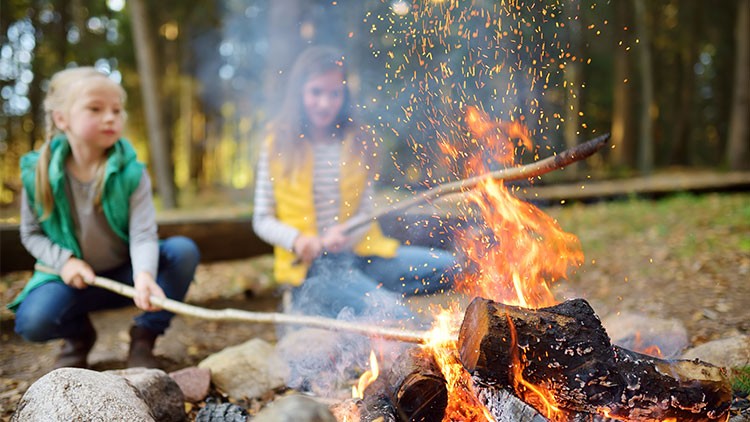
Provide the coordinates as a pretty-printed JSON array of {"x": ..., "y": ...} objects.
[{"x": 740, "y": 379}]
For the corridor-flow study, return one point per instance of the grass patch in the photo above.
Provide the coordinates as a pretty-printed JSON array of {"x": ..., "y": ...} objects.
[{"x": 740, "y": 379}]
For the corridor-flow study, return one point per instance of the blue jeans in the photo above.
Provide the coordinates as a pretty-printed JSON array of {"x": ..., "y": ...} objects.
[
  {"x": 55, "y": 310},
  {"x": 373, "y": 286}
]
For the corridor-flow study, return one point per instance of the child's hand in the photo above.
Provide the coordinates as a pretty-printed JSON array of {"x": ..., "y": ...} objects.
[
  {"x": 307, "y": 248},
  {"x": 334, "y": 240},
  {"x": 145, "y": 287},
  {"x": 77, "y": 273}
]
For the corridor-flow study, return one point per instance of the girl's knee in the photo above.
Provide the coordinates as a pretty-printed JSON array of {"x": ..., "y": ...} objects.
[
  {"x": 182, "y": 258},
  {"x": 35, "y": 328},
  {"x": 182, "y": 249}
]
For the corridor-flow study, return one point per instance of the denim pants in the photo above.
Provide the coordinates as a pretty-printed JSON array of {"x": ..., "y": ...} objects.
[
  {"x": 56, "y": 310},
  {"x": 373, "y": 286}
]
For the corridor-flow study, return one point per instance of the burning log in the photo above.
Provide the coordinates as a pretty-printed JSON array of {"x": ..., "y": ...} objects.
[
  {"x": 417, "y": 387},
  {"x": 565, "y": 351},
  {"x": 413, "y": 389},
  {"x": 376, "y": 405}
]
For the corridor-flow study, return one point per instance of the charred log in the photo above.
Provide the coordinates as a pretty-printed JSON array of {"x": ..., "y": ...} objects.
[
  {"x": 565, "y": 350},
  {"x": 506, "y": 407},
  {"x": 413, "y": 389},
  {"x": 376, "y": 406},
  {"x": 416, "y": 387}
]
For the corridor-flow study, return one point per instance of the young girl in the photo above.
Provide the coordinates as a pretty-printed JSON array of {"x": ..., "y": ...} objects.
[
  {"x": 87, "y": 209},
  {"x": 315, "y": 173}
]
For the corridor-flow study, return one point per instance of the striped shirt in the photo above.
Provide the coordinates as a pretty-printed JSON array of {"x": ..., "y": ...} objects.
[{"x": 326, "y": 195}]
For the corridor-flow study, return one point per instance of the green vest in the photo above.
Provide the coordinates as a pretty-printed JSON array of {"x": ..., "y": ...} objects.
[
  {"x": 295, "y": 206},
  {"x": 122, "y": 175}
]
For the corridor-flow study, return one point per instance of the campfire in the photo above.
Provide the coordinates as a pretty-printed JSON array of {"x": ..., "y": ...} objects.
[{"x": 516, "y": 353}]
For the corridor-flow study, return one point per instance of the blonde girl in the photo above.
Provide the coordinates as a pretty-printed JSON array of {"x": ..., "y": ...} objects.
[
  {"x": 87, "y": 209},
  {"x": 315, "y": 172}
]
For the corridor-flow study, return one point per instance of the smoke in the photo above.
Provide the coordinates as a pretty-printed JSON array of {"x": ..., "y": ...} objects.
[{"x": 325, "y": 362}]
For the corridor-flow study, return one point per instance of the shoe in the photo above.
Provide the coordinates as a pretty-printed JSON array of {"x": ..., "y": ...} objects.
[
  {"x": 141, "y": 353},
  {"x": 75, "y": 351}
]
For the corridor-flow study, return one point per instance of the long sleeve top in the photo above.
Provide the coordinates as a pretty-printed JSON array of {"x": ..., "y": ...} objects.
[
  {"x": 326, "y": 194},
  {"x": 100, "y": 246}
]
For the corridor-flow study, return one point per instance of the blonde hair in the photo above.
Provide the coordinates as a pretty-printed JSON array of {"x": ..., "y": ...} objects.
[{"x": 61, "y": 92}]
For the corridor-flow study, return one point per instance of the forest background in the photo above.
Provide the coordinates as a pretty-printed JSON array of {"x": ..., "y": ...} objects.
[{"x": 667, "y": 78}]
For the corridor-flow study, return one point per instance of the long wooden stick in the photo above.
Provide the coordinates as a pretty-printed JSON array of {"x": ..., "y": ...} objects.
[
  {"x": 538, "y": 168},
  {"x": 230, "y": 314}
]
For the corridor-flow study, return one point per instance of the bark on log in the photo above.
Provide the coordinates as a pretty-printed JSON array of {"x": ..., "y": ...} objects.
[
  {"x": 565, "y": 350},
  {"x": 413, "y": 389},
  {"x": 416, "y": 387},
  {"x": 376, "y": 405}
]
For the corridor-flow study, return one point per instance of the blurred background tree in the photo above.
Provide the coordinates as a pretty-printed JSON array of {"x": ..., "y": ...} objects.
[{"x": 668, "y": 78}]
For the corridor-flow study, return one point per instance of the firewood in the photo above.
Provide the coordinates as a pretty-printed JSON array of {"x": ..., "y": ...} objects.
[
  {"x": 416, "y": 386},
  {"x": 564, "y": 350},
  {"x": 376, "y": 405}
]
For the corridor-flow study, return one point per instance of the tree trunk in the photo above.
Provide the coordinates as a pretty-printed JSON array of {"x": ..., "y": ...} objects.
[
  {"x": 622, "y": 155},
  {"x": 573, "y": 79},
  {"x": 646, "y": 140},
  {"x": 738, "y": 145},
  {"x": 147, "y": 69},
  {"x": 682, "y": 150}
]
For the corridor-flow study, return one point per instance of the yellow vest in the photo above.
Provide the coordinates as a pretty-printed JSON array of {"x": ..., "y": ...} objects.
[{"x": 295, "y": 206}]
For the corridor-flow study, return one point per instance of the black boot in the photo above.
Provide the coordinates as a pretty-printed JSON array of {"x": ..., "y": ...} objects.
[
  {"x": 141, "y": 348},
  {"x": 76, "y": 349}
]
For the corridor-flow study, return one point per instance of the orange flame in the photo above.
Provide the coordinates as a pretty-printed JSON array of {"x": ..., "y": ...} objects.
[
  {"x": 367, "y": 378},
  {"x": 647, "y": 349},
  {"x": 536, "y": 395},
  {"x": 463, "y": 404},
  {"x": 520, "y": 250}
]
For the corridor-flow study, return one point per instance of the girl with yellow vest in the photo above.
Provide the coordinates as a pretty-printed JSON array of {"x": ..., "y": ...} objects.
[
  {"x": 87, "y": 209},
  {"x": 315, "y": 173}
]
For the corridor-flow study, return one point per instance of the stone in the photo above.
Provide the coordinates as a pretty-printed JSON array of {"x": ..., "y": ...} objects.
[
  {"x": 664, "y": 338},
  {"x": 730, "y": 352},
  {"x": 73, "y": 394},
  {"x": 194, "y": 382},
  {"x": 248, "y": 370},
  {"x": 160, "y": 392},
  {"x": 295, "y": 408}
]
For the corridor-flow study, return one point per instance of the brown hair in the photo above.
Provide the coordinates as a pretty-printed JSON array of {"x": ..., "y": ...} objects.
[
  {"x": 61, "y": 92},
  {"x": 291, "y": 126}
]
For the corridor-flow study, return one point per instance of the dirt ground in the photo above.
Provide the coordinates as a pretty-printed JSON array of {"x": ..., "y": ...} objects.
[{"x": 685, "y": 257}]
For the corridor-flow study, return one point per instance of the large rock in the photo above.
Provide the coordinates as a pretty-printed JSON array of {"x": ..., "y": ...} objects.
[
  {"x": 665, "y": 338},
  {"x": 72, "y": 394},
  {"x": 247, "y": 370},
  {"x": 160, "y": 392},
  {"x": 731, "y": 352}
]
